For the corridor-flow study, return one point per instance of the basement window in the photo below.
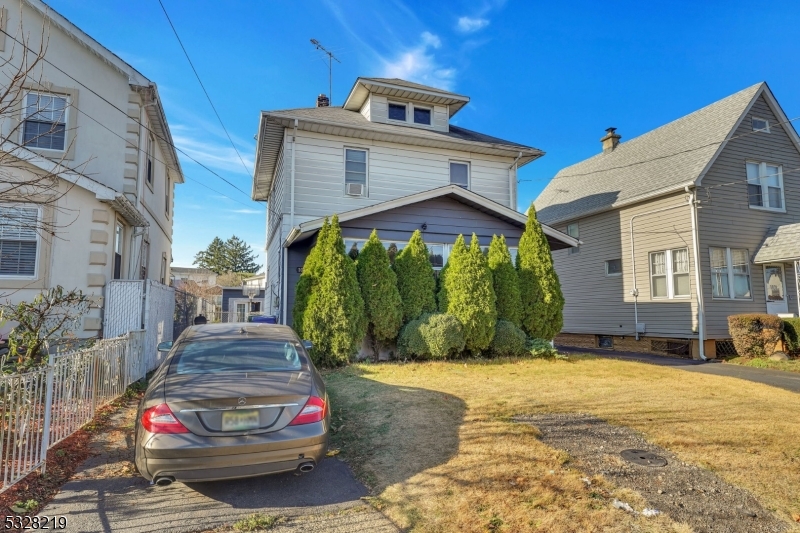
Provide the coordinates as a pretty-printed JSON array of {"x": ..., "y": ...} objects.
[{"x": 605, "y": 341}]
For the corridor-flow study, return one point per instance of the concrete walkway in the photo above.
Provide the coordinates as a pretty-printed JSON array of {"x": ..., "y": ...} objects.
[{"x": 775, "y": 378}]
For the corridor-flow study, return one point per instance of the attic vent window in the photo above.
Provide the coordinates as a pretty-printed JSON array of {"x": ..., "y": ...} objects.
[
  {"x": 422, "y": 116},
  {"x": 760, "y": 124},
  {"x": 397, "y": 112}
]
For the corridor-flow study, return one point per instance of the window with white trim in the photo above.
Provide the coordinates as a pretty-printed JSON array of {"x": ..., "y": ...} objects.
[
  {"x": 167, "y": 187},
  {"x": 574, "y": 232},
  {"x": 760, "y": 124},
  {"x": 459, "y": 174},
  {"x": 730, "y": 273},
  {"x": 45, "y": 121},
  {"x": 422, "y": 115},
  {"x": 614, "y": 267},
  {"x": 765, "y": 186},
  {"x": 19, "y": 241},
  {"x": 669, "y": 274},
  {"x": 397, "y": 112},
  {"x": 355, "y": 171}
]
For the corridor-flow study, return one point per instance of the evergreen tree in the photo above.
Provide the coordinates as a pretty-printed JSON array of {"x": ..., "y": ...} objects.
[
  {"x": 506, "y": 282},
  {"x": 470, "y": 296},
  {"x": 382, "y": 304},
  {"x": 415, "y": 279},
  {"x": 458, "y": 250},
  {"x": 334, "y": 318},
  {"x": 213, "y": 258},
  {"x": 241, "y": 257},
  {"x": 312, "y": 272},
  {"x": 540, "y": 290}
]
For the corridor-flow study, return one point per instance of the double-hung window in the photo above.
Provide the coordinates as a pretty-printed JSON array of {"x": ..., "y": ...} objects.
[
  {"x": 45, "y": 121},
  {"x": 355, "y": 172},
  {"x": 149, "y": 164},
  {"x": 765, "y": 186},
  {"x": 669, "y": 274},
  {"x": 459, "y": 174},
  {"x": 730, "y": 273},
  {"x": 19, "y": 241}
]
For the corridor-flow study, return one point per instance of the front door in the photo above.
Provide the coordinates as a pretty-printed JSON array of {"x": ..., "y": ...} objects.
[{"x": 775, "y": 285}]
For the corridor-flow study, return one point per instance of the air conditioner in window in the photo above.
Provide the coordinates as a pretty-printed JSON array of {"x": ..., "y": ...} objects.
[{"x": 354, "y": 189}]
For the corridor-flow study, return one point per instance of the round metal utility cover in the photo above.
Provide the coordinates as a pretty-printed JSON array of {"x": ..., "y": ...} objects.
[{"x": 643, "y": 457}]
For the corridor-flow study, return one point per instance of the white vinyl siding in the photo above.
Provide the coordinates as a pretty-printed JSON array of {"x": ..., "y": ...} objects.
[
  {"x": 19, "y": 241},
  {"x": 765, "y": 186},
  {"x": 730, "y": 273},
  {"x": 45, "y": 125},
  {"x": 669, "y": 274}
]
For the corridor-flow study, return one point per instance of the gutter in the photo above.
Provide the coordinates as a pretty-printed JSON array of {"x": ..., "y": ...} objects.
[{"x": 294, "y": 146}]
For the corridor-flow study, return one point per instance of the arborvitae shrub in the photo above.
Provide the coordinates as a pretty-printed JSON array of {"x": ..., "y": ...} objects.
[
  {"x": 334, "y": 318},
  {"x": 415, "y": 279},
  {"x": 509, "y": 340},
  {"x": 309, "y": 279},
  {"x": 382, "y": 304},
  {"x": 540, "y": 290},
  {"x": 431, "y": 336},
  {"x": 506, "y": 281},
  {"x": 469, "y": 294}
]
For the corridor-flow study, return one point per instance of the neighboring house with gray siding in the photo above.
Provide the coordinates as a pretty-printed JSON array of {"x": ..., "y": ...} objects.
[
  {"x": 388, "y": 159},
  {"x": 720, "y": 184}
]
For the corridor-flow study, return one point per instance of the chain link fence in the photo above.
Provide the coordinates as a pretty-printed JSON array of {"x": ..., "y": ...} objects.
[{"x": 40, "y": 408}]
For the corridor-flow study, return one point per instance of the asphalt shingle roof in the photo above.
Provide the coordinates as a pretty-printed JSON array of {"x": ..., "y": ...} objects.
[
  {"x": 781, "y": 244},
  {"x": 355, "y": 119},
  {"x": 664, "y": 159}
]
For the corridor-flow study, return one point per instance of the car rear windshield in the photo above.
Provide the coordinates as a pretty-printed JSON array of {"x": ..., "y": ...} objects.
[{"x": 235, "y": 355}]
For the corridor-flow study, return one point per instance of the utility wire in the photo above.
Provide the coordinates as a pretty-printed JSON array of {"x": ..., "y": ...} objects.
[
  {"x": 208, "y": 97},
  {"x": 104, "y": 99}
]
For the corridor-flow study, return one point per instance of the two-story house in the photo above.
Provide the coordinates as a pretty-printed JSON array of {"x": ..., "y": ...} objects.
[
  {"x": 95, "y": 125},
  {"x": 681, "y": 227},
  {"x": 388, "y": 159}
]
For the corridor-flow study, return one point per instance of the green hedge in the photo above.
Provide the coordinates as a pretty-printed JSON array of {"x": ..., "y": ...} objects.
[
  {"x": 508, "y": 341},
  {"x": 431, "y": 336},
  {"x": 755, "y": 335},
  {"x": 791, "y": 334}
]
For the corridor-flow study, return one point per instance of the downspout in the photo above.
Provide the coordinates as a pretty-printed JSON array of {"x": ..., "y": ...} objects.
[
  {"x": 512, "y": 198},
  {"x": 294, "y": 146},
  {"x": 284, "y": 303},
  {"x": 635, "y": 291},
  {"x": 701, "y": 315}
]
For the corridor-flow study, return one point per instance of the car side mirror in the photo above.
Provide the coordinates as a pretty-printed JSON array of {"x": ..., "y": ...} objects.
[
  {"x": 164, "y": 346},
  {"x": 308, "y": 345}
]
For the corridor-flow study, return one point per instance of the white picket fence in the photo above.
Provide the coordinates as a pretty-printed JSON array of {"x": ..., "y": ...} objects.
[{"x": 38, "y": 409}]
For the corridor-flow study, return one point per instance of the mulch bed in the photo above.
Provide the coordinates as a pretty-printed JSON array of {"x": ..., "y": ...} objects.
[
  {"x": 63, "y": 460},
  {"x": 684, "y": 492}
]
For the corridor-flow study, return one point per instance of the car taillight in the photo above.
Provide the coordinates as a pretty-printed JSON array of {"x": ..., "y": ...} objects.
[
  {"x": 314, "y": 411},
  {"x": 159, "y": 419}
]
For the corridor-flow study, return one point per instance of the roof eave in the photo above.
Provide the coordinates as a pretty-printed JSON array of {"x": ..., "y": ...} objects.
[{"x": 355, "y": 98}]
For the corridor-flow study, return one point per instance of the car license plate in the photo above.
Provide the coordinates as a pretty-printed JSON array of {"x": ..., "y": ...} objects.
[{"x": 239, "y": 420}]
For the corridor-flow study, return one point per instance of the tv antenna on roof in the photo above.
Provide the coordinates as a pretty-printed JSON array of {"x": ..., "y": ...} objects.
[{"x": 331, "y": 58}]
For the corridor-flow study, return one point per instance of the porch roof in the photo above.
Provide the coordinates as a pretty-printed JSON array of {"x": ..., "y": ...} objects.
[{"x": 780, "y": 245}]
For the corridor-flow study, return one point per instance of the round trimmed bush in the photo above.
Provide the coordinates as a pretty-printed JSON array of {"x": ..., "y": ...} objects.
[
  {"x": 434, "y": 336},
  {"x": 508, "y": 341}
]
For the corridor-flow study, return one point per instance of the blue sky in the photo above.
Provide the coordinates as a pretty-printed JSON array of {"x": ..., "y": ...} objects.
[{"x": 552, "y": 75}]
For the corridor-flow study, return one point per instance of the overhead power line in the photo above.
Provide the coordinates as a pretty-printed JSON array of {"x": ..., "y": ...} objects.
[{"x": 208, "y": 97}]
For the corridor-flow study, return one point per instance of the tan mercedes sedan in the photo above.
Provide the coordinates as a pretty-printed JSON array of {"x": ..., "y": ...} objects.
[{"x": 230, "y": 401}]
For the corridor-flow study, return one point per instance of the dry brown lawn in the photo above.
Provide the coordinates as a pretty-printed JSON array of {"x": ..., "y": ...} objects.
[{"x": 436, "y": 444}]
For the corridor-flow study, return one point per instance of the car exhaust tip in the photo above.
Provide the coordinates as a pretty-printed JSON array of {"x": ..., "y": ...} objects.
[
  {"x": 306, "y": 467},
  {"x": 164, "y": 481}
]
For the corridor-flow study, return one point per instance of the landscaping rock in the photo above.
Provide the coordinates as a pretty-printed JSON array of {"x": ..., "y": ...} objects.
[{"x": 778, "y": 356}]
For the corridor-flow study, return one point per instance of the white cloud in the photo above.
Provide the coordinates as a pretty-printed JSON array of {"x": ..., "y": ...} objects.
[
  {"x": 419, "y": 64},
  {"x": 216, "y": 155},
  {"x": 245, "y": 211},
  {"x": 469, "y": 24}
]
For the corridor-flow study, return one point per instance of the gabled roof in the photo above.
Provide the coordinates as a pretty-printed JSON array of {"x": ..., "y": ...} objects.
[
  {"x": 661, "y": 161},
  {"x": 397, "y": 88},
  {"x": 467, "y": 197},
  {"x": 781, "y": 244},
  {"x": 338, "y": 121}
]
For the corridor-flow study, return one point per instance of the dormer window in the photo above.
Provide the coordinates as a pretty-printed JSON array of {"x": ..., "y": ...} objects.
[
  {"x": 422, "y": 116},
  {"x": 397, "y": 112}
]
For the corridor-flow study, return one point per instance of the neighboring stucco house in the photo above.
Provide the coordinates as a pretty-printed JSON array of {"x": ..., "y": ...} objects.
[
  {"x": 99, "y": 125},
  {"x": 388, "y": 159},
  {"x": 721, "y": 185}
]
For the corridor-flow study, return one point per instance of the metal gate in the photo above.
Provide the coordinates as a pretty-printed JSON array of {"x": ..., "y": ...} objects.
[
  {"x": 123, "y": 307},
  {"x": 159, "y": 312}
]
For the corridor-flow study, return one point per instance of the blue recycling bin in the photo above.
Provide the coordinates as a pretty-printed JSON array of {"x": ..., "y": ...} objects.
[{"x": 264, "y": 319}]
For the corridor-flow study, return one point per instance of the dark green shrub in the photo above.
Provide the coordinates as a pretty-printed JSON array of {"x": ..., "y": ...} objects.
[
  {"x": 506, "y": 281},
  {"x": 382, "y": 304},
  {"x": 443, "y": 335},
  {"x": 508, "y": 341},
  {"x": 791, "y": 334},
  {"x": 334, "y": 317},
  {"x": 755, "y": 335},
  {"x": 431, "y": 336},
  {"x": 415, "y": 279},
  {"x": 312, "y": 272},
  {"x": 469, "y": 294},
  {"x": 540, "y": 290},
  {"x": 540, "y": 348}
]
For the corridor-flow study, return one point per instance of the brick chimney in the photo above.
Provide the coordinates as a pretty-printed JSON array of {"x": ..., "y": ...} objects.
[
  {"x": 610, "y": 140},
  {"x": 322, "y": 101}
]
